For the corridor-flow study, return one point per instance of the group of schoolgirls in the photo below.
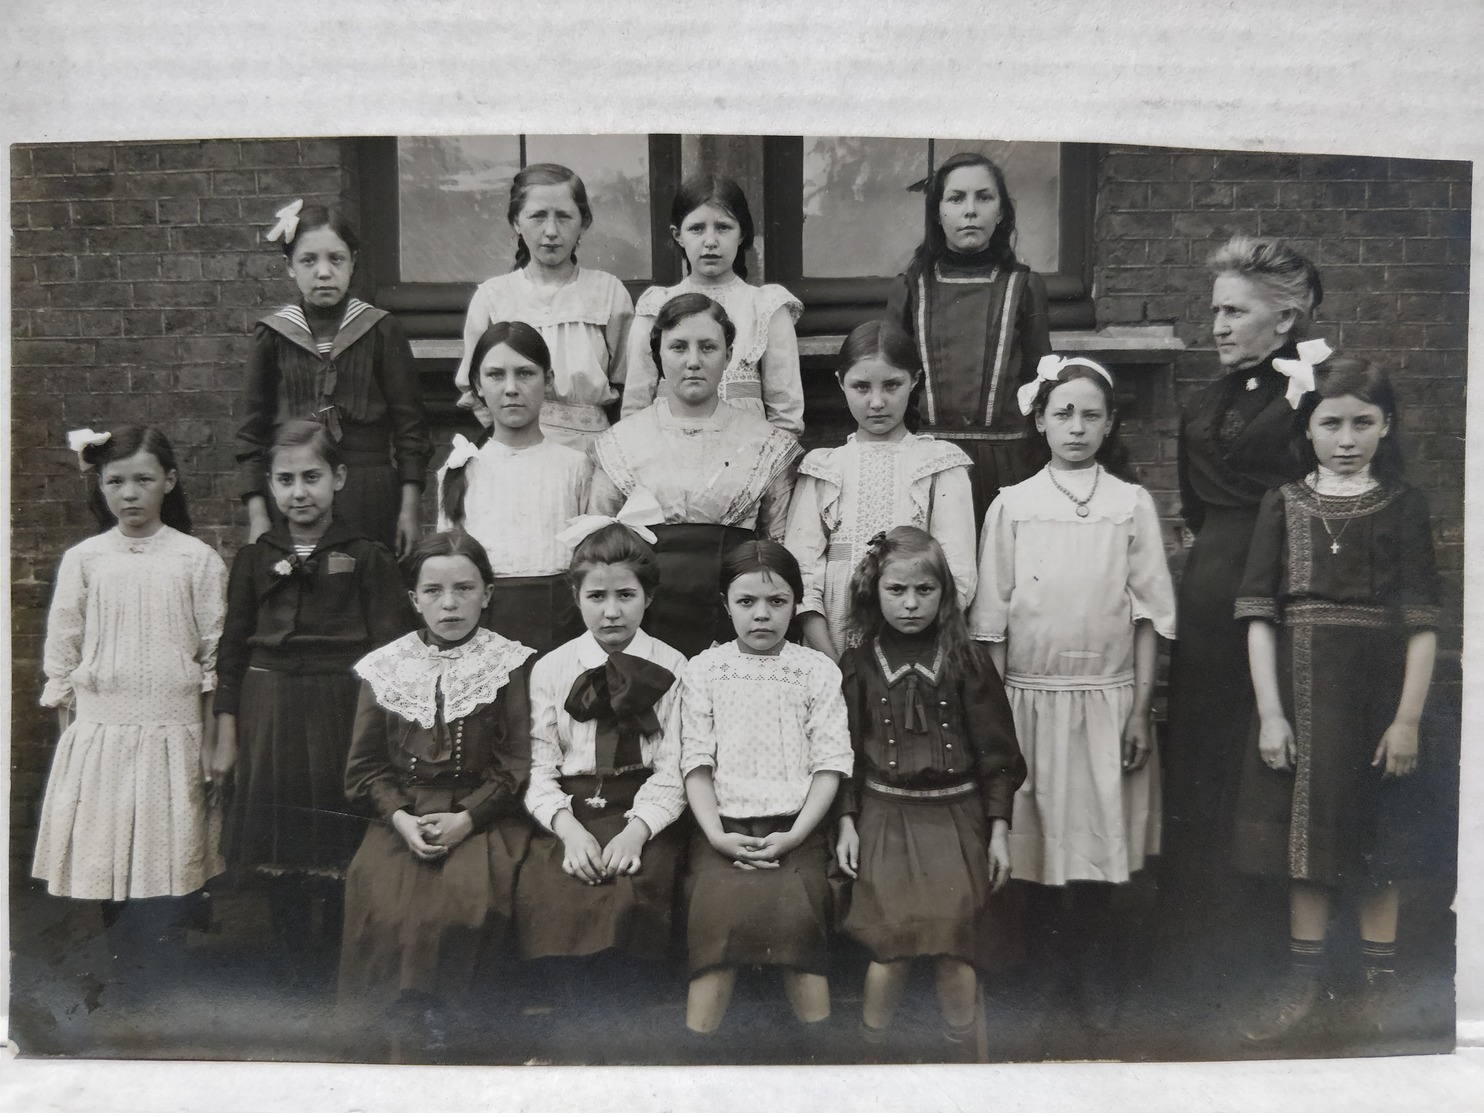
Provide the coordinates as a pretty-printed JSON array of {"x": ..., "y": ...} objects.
[{"x": 900, "y": 683}]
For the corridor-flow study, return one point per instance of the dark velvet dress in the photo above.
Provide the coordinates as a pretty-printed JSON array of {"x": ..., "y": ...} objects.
[
  {"x": 366, "y": 392},
  {"x": 295, "y": 628},
  {"x": 1345, "y": 598},
  {"x": 936, "y": 761},
  {"x": 981, "y": 328},
  {"x": 1235, "y": 444},
  {"x": 436, "y": 730}
]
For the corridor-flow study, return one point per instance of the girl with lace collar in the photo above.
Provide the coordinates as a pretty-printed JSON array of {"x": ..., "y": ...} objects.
[
  {"x": 712, "y": 226},
  {"x": 605, "y": 766},
  {"x": 1073, "y": 594},
  {"x": 440, "y": 756},
  {"x": 882, "y": 477},
  {"x": 341, "y": 362},
  {"x": 1340, "y": 596}
]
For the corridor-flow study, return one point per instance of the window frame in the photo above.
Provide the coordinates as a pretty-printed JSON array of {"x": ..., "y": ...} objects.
[{"x": 837, "y": 305}]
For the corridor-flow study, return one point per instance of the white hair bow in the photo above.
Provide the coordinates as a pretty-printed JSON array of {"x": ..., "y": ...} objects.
[
  {"x": 1300, "y": 370},
  {"x": 1049, "y": 369},
  {"x": 637, "y": 513},
  {"x": 462, "y": 451},
  {"x": 78, "y": 441},
  {"x": 288, "y": 222}
]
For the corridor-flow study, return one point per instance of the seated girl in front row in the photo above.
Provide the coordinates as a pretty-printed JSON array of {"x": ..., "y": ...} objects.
[
  {"x": 605, "y": 765},
  {"x": 764, "y": 745},
  {"x": 441, "y": 751}
]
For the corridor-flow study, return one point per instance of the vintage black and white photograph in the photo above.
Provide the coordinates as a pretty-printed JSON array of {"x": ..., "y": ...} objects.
[{"x": 568, "y": 598}]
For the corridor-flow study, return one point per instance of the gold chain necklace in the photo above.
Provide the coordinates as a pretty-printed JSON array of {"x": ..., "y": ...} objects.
[{"x": 1097, "y": 473}]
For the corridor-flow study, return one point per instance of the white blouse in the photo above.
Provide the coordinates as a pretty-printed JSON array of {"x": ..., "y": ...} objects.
[
  {"x": 516, "y": 502},
  {"x": 764, "y": 725},
  {"x": 563, "y": 746}
]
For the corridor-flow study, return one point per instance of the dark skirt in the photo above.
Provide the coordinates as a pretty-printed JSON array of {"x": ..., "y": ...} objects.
[
  {"x": 923, "y": 884},
  {"x": 995, "y": 464},
  {"x": 427, "y": 927},
  {"x": 558, "y": 915},
  {"x": 539, "y": 612},
  {"x": 1210, "y": 712},
  {"x": 758, "y": 917},
  {"x": 288, "y": 810},
  {"x": 1329, "y": 818},
  {"x": 688, "y": 612}
]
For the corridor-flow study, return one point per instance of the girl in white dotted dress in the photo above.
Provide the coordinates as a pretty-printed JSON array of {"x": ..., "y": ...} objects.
[{"x": 130, "y": 663}]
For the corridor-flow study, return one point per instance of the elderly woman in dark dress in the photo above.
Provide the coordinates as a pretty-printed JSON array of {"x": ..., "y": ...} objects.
[{"x": 1235, "y": 444}]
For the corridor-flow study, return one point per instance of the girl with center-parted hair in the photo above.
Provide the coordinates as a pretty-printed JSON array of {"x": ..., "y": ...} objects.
[
  {"x": 517, "y": 490},
  {"x": 581, "y": 313},
  {"x": 979, "y": 318},
  {"x": 722, "y": 474},
  {"x": 712, "y": 226}
]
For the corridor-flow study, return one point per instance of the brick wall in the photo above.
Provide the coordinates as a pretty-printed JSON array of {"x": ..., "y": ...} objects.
[
  {"x": 137, "y": 271},
  {"x": 1391, "y": 240}
]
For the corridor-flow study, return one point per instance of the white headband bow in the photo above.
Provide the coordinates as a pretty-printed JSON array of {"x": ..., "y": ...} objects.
[
  {"x": 78, "y": 441},
  {"x": 288, "y": 222},
  {"x": 462, "y": 451},
  {"x": 1300, "y": 370},
  {"x": 1049, "y": 368},
  {"x": 639, "y": 511}
]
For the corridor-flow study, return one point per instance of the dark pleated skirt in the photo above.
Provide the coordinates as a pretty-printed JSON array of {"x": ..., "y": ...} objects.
[
  {"x": 539, "y": 612},
  {"x": 923, "y": 885},
  {"x": 688, "y": 612},
  {"x": 1210, "y": 711},
  {"x": 559, "y": 916},
  {"x": 994, "y": 465},
  {"x": 759, "y": 917},
  {"x": 427, "y": 927},
  {"x": 1330, "y": 819},
  {"x": 288, "y": 810}
]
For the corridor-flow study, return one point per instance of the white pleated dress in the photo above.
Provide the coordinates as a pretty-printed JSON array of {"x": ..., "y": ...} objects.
[
  {"x": 1065, "y": 593},
  {"x": 131, "y": 644}
]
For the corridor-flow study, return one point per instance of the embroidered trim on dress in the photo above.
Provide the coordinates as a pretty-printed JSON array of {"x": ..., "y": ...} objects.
[
  {"x": 1340, "y": 507},
  {"x": 1258, "y": 608},
  {"x": 407, "y": 674},
  {"x": 1302, "y": 671},
  {"x": 1332, "y": 612}
]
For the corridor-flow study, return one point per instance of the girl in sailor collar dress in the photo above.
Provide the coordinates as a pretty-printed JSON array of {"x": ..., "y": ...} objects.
[
  {"x": 342, "y": 362},
  {"x": 441, "y": 754},
  {"x": 884, "y": 476}
]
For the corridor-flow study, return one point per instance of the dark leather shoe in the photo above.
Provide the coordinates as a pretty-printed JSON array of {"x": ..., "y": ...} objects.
[{"x": 1291, "y": 1004}]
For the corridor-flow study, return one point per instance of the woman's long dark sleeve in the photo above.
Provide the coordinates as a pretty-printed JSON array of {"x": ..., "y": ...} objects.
[
  {"x": 255, "y": 435},
  {"x": 990, "y": 723},
  {"x": 510, "y": 767},
  {"x": 1034, "y": 326},
  {"x": 369, "y": 775},
  {"x": 1192, "y": 507},
  {"x": 848, "y": 797},
  {"x": 411, "y": 446}
]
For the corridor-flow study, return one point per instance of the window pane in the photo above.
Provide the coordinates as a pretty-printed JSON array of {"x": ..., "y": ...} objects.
[
  {"x": 859, "y": 216},
  {"x": 615, "y": 170},
  {"x": 1033, "y": 175},
  {"x": 453, "y": 193}
]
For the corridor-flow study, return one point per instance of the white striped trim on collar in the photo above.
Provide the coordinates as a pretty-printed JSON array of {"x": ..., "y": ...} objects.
[{"x": 295, "y": 315}]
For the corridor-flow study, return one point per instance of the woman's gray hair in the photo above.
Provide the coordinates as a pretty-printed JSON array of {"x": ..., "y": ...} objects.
[{"x": 1286, "y": 275}]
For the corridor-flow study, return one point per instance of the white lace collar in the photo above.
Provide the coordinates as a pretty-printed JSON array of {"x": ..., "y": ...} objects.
[
  {"x": 1326, "y": 482},
  {"x": 407, "y": 674}
]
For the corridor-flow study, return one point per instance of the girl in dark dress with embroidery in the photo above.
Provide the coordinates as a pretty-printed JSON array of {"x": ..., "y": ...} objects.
[
  {"x": 342, "y": 362},
  {"x": 1341, "y": 601},
  {"x": 979, "y": 318},
  {"x": 1234, "y": 445},
  {"x": 441, "y": 754}
]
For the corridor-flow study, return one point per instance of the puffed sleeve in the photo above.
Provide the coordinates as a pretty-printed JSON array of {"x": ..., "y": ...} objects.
[
  {"x": 827, "y": 723},
  {"x": 1150, "y": 591},
  {"x": 65, "y": 622},
  {"x": 476, "y": 321},
  {"x": 641, "y": 377},
  {"x": 952, "y": 525},
  {"x": 412, "y": 447},
  {"x": 1257, "y": 597},
  {"x": 783, "y": 388},
  {"x": 853, "y": 690},
  {"x": 990, "y": 614},
  {"x": 369, "y": 775},
  {"x": 999, "y": 766},
  {"x": 807, "y": 540},
  {"x": 1420, "y": 591},
  {"x": 387, "y": 608},
  {"x": 697, "y": 720},
  {"x": 1192, "y": 507},
  {"x": 544, "y": 795},
  {"x": 1033, "y": 325},
  {"x": 616, "y": 334},
  {"x": 499, "y": 792},
  {"x": 255, "y": 435},
  {"x": 232, "y": 652},
  {"x": 662, "y": 798},
  {"x": 209, "y": 599}
]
